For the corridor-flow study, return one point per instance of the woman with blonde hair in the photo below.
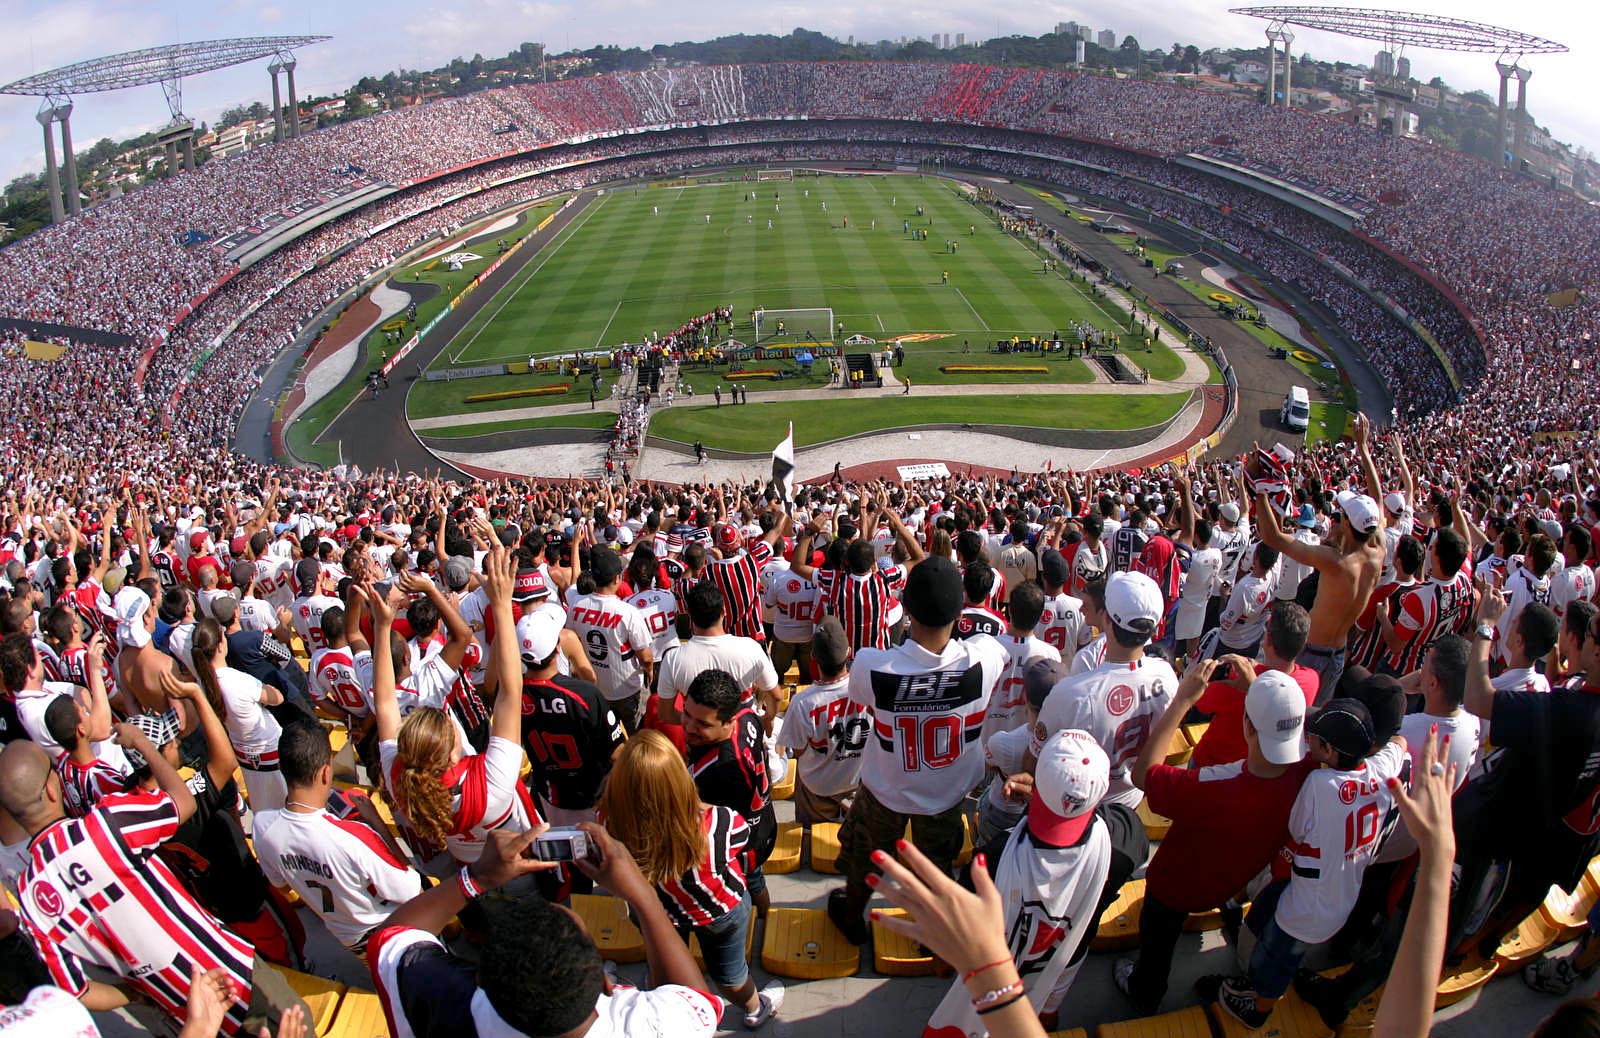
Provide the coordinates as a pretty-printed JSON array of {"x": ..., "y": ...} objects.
[
  {"x": 241, "y": 701},
  {"x": 450, "y": 796},
  {"x": 695, "y": 856}
]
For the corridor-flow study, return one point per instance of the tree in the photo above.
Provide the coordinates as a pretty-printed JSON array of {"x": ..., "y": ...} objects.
[{"x": 1191, "y": 59}]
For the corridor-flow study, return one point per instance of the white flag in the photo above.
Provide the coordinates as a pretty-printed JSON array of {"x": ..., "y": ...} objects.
[{"x": 783, "y": 466}]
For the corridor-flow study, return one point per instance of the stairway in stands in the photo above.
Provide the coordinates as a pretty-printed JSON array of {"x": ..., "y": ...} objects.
[{"x": 867, "y": 365}]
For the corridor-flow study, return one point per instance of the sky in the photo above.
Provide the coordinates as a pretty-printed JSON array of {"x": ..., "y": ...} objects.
[{"x": 373, "y": 37}]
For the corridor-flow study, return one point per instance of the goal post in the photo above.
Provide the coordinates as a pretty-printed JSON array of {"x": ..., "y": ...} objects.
[
  {"x": 807, "y": 324},
  {"x": 774, "y": 174}
]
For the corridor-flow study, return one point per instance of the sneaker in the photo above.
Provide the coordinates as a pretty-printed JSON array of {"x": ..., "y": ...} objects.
[
  {"x": 1325, "y": 995},
  {"x": 1554, "y": 976},
  {"x": 853, "y": 928},
  {"x": 1207, "y": 988},
  {"x": 1239, "y": 1002},
  {"x": 771, "y": 1000},
  {"x": 1122, "y": 976}
]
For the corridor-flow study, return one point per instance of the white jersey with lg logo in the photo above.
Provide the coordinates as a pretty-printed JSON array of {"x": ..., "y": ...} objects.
[
  {"x": 308, "y": 619},
  {"x": 1118, "y": 704},
  {"x": 659, "y": 607},
  {"x": 1008, "y": 707},
  {"x": 793, "y": 599},
  {"x": 1061, "y": 624}
]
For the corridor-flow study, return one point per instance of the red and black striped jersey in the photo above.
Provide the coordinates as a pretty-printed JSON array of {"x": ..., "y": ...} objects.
[
  {"x": 733, "y": 774},
  {"x": 1428, "y": 612},
  {"x": 716, "y": 886},
  {"x": 862, "y": 604},
  {"x": 85, "y": 785},
  {"x": 739, "y": 580},
  {"x": 95, "y": 893}
]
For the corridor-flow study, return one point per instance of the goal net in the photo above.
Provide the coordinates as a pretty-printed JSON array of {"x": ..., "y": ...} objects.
[
  {"x": 774, "y": 174},
  {"x": 812, "y": 324}
]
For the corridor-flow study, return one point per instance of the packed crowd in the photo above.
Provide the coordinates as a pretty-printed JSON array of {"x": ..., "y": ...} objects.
[{"x": 555, "y": 688}]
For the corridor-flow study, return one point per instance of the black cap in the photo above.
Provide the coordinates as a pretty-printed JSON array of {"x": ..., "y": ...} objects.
[
  {"x": 1386, "y": 702},
  {"x": 605, "y": 566},
  {"x": 1346, "y": 725},
  {"x": 829, "y": 645},
  {"x": 306, "y": 572},
  {"x": 1053, "y": 568},
  {"x": 933, "y": 592},
  {"x": 1041, "y": 676}
]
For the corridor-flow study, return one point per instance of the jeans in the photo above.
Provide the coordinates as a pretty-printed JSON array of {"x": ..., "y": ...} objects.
[
  {"x": 1329, "y": 665},
  {"x": 1277, "y": 955},
  {"x": 722, "y": 945}
]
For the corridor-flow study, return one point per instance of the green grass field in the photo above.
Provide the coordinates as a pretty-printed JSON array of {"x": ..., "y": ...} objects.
[
  {"x": 643, "y": 261},
  {"x": 744, "y": 428}
]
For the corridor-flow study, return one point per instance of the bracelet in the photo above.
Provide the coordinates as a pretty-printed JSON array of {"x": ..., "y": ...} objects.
[
  {"x": 998, "y": 999},
  {"x": 469, "y": 889},
  {"x": 990, "y": 998},
  {"x": 974, "y": 972}
]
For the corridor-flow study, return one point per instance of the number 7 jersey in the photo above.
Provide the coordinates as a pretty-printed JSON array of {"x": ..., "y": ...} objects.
[
  {"x": 1118, "y": 704},
  {"x": 927, "y": 717}
]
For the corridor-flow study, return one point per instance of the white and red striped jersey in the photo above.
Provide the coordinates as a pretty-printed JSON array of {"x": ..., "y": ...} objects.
[
  {"x": 927, "y": 718},
  {"x": 795, "y": 602},
  {"x": 486, "y": 793},
  {"x": 739, "y": 580},
  {"x": 659, "y": 607},
  {"x": 1338, "y": 823},
  {"x": 1428, "y": 612},
  {"x": 862, "y": 603},
  {"x": 307, "y": 619},
  {"x": 85, "y": 785},
  {"x": 48, "y": 659},
  {"x": 1061, "y": 624},
  {"x": 612, "y": 632},
  {"x": 1117, "y": 703},
  {"x": 95, "y": 893},
  {"x": 716, "y": 886},
  {"x": 1008, "y": 707},
  {"x": 73, "y": 666},
  {"x": 338, "y": 866},
  {"x": 334, "y": 680}
]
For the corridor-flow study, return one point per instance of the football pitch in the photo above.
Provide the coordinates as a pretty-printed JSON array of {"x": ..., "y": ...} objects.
[{"x": 644, "y": 260}]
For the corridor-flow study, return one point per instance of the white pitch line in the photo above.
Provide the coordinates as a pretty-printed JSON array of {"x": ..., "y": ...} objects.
[
  {"x": 607, "y": 328},
  {"x": 974, "y": 310},
  {"x": 510, "y": 292}
]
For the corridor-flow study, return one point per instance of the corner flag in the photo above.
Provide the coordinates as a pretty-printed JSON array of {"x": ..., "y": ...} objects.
[{"x": 783, "y": 466}]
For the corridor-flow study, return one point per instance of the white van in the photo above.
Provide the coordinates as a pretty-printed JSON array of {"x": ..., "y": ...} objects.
[{"x": 1296, "y": 410}]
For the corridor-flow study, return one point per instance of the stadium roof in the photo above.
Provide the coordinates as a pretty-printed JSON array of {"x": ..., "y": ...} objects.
[
  {"x": 153, "y": 65},
  {"x": 1404, "y": 29}
]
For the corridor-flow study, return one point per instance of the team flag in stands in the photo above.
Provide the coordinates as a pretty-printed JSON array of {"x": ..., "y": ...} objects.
[{"x": 783, "y": 466}]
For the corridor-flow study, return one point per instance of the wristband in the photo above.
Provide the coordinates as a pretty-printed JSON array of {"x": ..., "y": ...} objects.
[
  {"x": 469, "y": 889},
  {"x": 988, "y": 1001},
  {"x": 996, "y": 1007},
  {"x": 987, "y": 966}
]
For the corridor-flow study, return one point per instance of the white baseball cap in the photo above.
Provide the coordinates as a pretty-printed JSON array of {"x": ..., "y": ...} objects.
[
  {"x": 1360, "y": 509},
  {"x": 1134, "y": 602},
  {"x": 538, "y": 634},
  {"x": 1395, "y": 501},
  {"x": 1276, "y": 706},
  {"x": 1072, "y": 775}
]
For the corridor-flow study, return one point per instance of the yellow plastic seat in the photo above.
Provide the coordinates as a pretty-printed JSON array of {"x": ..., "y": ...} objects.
[
  {"x": 606, "y": 919},
  {"x": 749, "y": 943},
  {"x": 1185, "y": 1023},
  {"x": 1459, "y": 982},
  {"x": 1291, "y": 1018},
  {"x": 1569, "y": 913},
  {"x": 783, "y": 789},
  {"x": 1532, "y": 936},
  {"x": 1359, "y": 1023},
  {"x": 338, "y": 738},
  {"x": 321, "y": 996},
  {"x": 1204, "y": 922},
  {"x": 360, "y": 1016},
  {"x": 1119, "y": 923},
  {"x": 786, "y": 852},
  {"x": 895, "y": 954},
  {"x": 1155, "y": 826},
  {"x": 825, "y": 848},
  {"x": 1193, "y": 733},
  {"x": 804, "y": 944},
  {"x": 1179, "y": 750}
]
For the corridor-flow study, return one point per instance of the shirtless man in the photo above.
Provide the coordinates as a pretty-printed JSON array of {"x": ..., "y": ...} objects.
[
  {"x": 1348, "y": 563},
  {"x": 140, "y": 664}
]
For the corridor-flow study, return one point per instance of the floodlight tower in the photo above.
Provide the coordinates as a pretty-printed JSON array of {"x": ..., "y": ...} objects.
[{"x": 167, "y": 66}]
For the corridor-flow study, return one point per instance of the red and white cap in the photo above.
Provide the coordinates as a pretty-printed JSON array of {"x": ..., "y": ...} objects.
[
  {"x": 197, "y": 539},
  {"x": 538, "y": 635},
  {"x": 1072, "y": 775},
  {"x": 728, "y": 536},
  {"x": 529, "y": 585}
]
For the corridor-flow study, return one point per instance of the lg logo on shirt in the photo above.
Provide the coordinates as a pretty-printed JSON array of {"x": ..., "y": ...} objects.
[{"x": 46, "y": 899}]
